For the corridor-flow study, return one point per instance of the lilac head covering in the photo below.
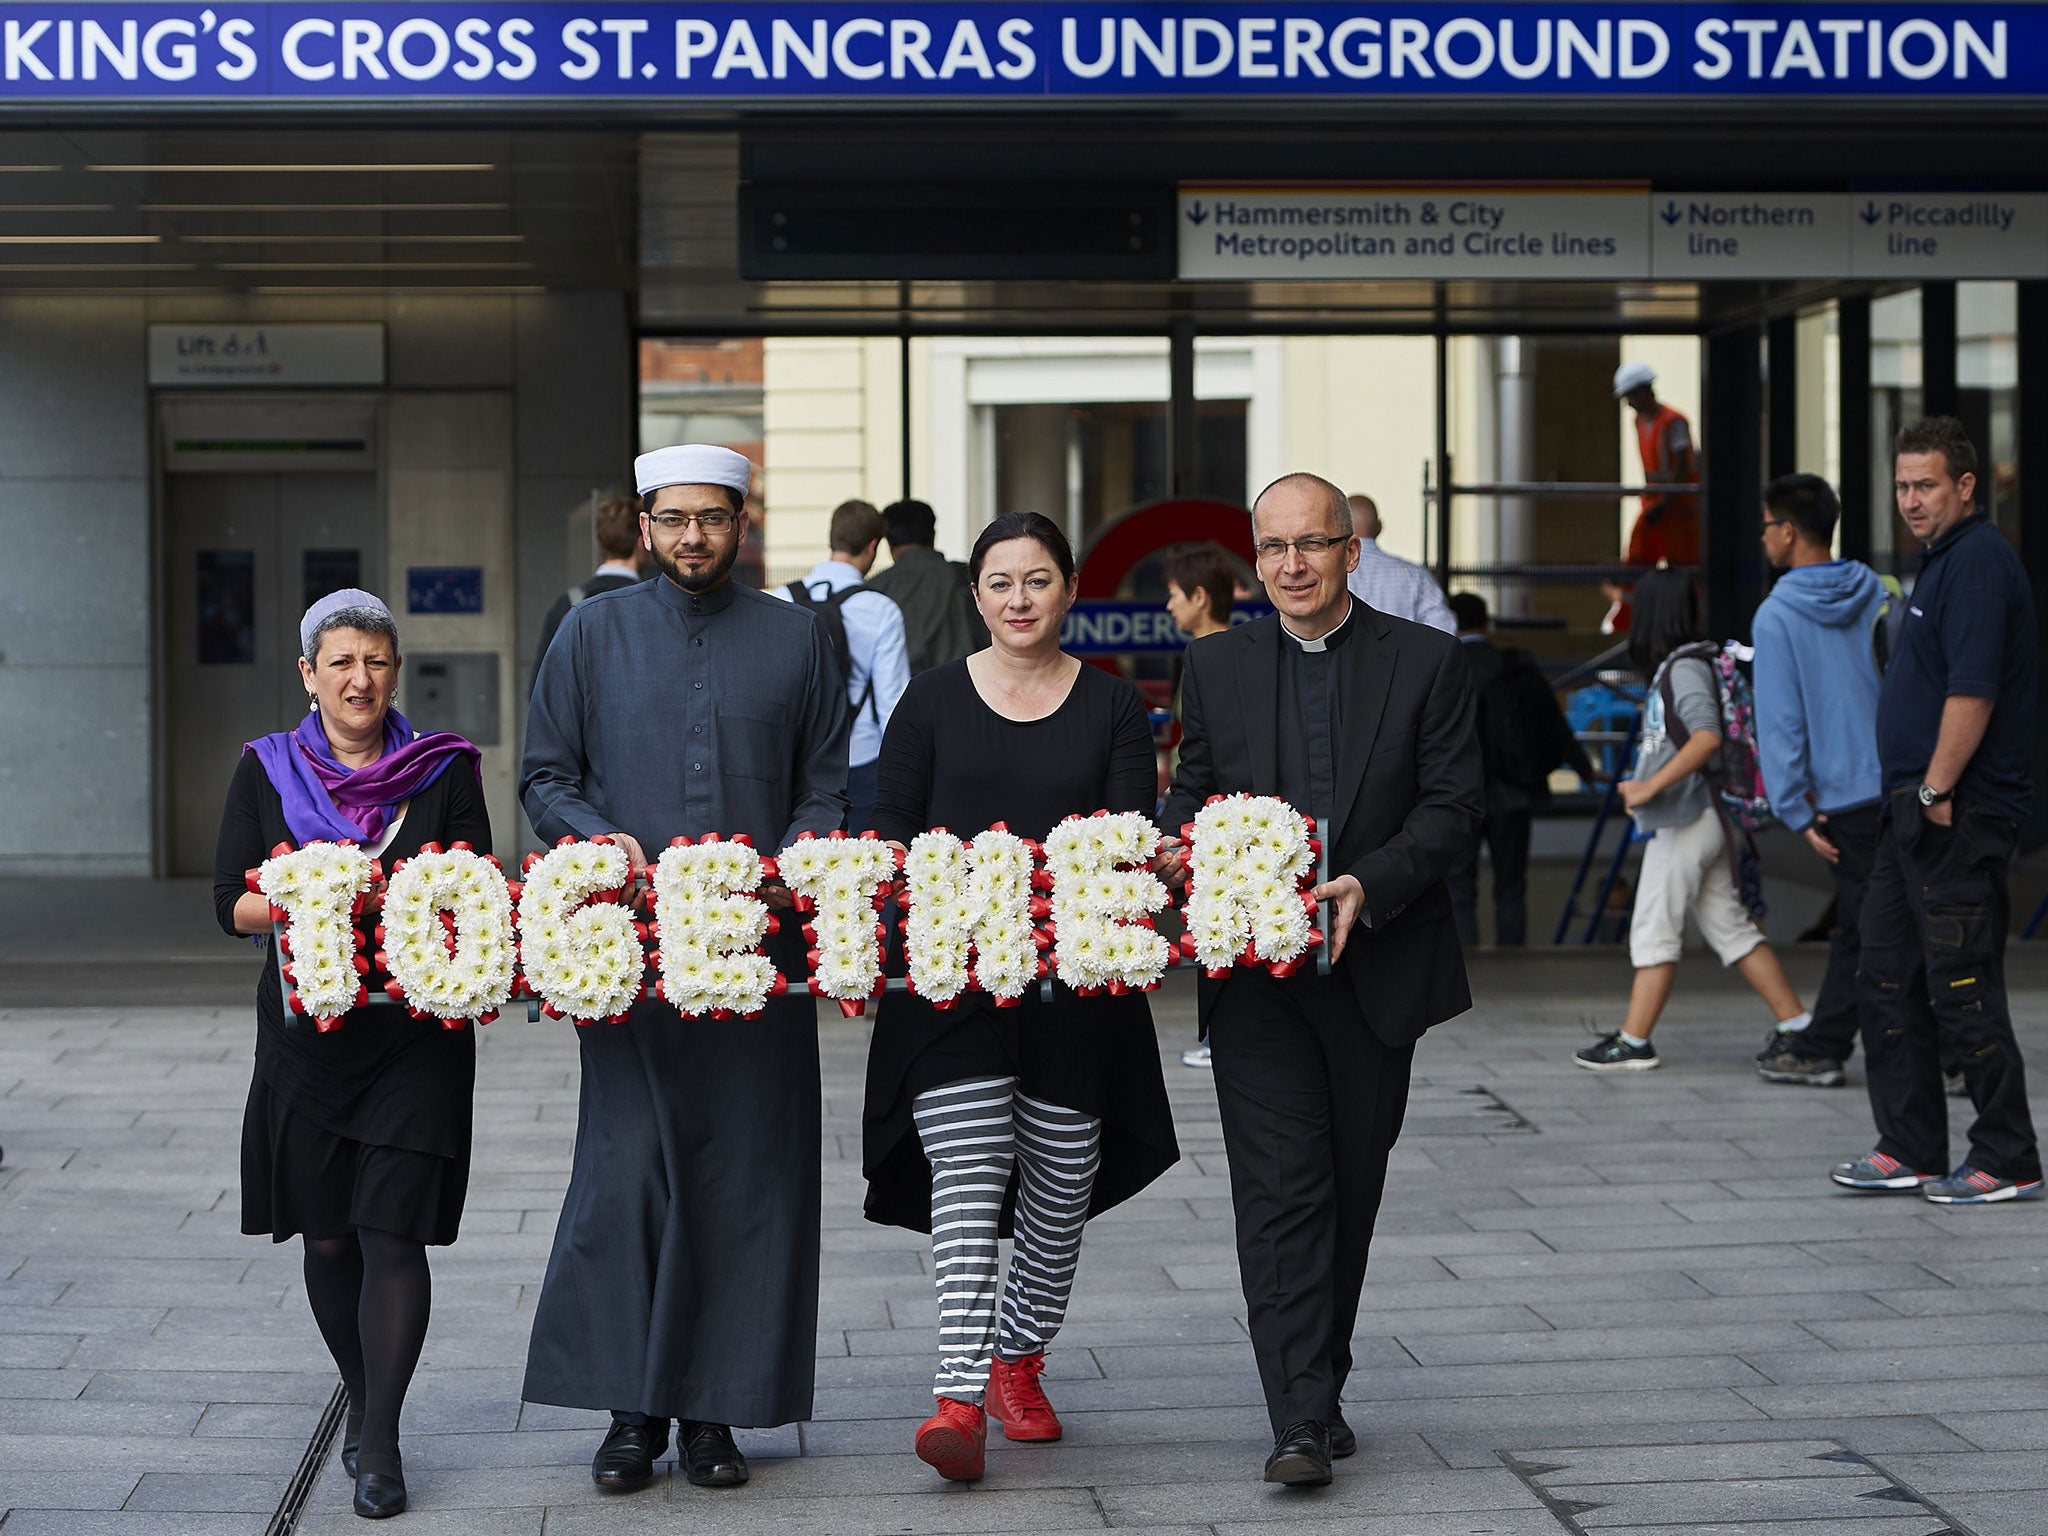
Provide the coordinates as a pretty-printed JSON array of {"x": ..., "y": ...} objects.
[
  {"x": 337, "y": 602},
  {"x": 327, "y": 801}
]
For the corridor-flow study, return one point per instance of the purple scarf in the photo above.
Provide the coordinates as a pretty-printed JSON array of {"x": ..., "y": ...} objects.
[{"x": 324, "y": 801}]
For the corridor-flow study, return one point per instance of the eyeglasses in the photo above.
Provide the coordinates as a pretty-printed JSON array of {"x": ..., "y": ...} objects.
[
  {"x": 1311, "y": 545},
  {"x": 1777, "y": 522},
  {"x": 675, "y": 522}
]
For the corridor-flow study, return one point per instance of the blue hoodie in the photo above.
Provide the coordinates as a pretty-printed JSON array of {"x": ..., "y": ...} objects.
[{"x": 1816, "y": 691}]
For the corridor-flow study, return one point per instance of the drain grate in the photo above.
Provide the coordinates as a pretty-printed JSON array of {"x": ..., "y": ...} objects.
[
  {"x": 300, "y": 1488},
  {"x": 1761, "y": 1488},
  {"x": 1447, "y": 1109}
]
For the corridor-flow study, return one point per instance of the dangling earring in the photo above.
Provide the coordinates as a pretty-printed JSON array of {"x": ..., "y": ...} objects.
[{"x": 312, "y": 703}]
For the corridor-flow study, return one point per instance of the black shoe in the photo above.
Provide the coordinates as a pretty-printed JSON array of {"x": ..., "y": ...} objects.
[
  {"x": 380, "y": 1488},
  {"x": 1301, "y": 1456},
  {"x": 351, "y": 1438},
  {"x": 1343, "y": 1440},
  {"x": 626, "y": 1459},
  {"x": 710, "y": 1459}
]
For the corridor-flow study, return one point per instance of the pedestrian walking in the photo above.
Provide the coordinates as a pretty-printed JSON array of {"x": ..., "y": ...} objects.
[
  {"x": 1389, "y": 583},
  {"x": 1687, "y": 863},
  {"x": 1366, "y": 721},
  {"x": 865, "y": 630},
  {"x": 939, "y": 619},
  {"x": 683, "y": 1282},
  {"x": 355, "y": 1140}
]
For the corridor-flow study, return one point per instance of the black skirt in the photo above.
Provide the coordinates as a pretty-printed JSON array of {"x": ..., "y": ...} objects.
[
  {"x": 1097, "y": 1055},
  {"x": 298, "y": 1177}
]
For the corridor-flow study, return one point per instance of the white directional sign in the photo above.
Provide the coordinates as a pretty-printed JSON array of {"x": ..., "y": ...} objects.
[
  {"x": 1749, "y": 235},
  {"x": 1365, "y": 232},
  {"x": 1956, "y": 234},
  {"x": 1598, "y": 234}
]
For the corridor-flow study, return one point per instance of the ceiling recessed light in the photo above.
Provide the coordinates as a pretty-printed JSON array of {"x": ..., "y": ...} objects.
[
  {"x": 9, "y": 268},
  {"x": 27, "y": 170},
  {"x": 311, "y": 169},
  {"x": 80, "y": 239},
  {"x": 352, "y": 239},
  {"x": 57, "y": 208},
  {"x": 439, "y": 290},
  {"x": 324, "y": 207},
  {"x": 373, "y": 266}
]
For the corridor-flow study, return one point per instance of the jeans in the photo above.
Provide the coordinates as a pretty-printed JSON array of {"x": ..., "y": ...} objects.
[{"x": 1933, "y": 973}]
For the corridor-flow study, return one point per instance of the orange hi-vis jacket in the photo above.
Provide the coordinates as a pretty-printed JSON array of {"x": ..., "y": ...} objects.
[{"x": 1668, "y": 528}]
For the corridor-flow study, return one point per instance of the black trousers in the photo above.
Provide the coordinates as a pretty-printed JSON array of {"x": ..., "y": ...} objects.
[
  {"x": 1311, "y": 1103},
  {"x": 1934, "y": 928},
  {"x": 1837, "y": 1012},
  {"x": 1505, "y": 831}
]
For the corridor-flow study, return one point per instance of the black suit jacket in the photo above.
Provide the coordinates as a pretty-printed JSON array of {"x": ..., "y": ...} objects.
[{"x": 1408, "y": 795}]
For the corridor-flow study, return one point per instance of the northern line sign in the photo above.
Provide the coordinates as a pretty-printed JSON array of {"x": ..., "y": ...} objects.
[{"x": 378, "y": 50}]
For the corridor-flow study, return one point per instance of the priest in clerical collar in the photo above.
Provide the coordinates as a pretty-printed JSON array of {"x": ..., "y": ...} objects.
[
  {"x": 683, "y": 1286},
  {"x": 1365, "y": 721}
]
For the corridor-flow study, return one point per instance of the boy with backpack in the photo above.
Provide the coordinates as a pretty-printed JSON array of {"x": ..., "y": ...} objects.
[
  {"x": 1523, "y": 736},
  {"x": 1692, "y": 790},
  {"x": 1819, "y": 635},
  {"x": 865, "y": 630}
]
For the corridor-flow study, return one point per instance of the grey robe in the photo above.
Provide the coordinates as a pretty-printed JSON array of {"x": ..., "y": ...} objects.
[{"x": 684, "y": 1277}]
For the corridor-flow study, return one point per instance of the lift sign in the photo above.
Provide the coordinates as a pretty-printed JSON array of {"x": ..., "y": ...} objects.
[{"x": 969, "y": 49}]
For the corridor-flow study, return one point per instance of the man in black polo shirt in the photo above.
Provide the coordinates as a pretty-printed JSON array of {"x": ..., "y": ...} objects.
[{"x": 1955, "y": 736}]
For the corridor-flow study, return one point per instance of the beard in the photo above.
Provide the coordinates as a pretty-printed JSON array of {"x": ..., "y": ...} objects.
[{"x": 703, "y": 580}]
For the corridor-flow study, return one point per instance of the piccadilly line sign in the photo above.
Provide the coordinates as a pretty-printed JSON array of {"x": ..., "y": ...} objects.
[{"x": 988, "y": 49}]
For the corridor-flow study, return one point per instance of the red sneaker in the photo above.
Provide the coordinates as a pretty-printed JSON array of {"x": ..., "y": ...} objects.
[
  {"x": 955, "y": 1441},
  {"x": 1015, "y": 1397}
]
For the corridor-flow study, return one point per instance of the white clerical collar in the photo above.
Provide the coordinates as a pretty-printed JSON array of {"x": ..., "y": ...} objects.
[{"x": 1334, "y": 637}]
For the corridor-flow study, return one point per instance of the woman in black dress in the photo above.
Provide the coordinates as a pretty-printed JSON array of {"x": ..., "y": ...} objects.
[
  {"x": 1037, "y": 1116},
  {"x": 358, "y": 1139}
]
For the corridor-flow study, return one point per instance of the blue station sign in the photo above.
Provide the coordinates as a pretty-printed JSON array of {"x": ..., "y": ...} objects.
[
  {"x": 1112, "y": 627},
  {"x": 385, "y": 50}
]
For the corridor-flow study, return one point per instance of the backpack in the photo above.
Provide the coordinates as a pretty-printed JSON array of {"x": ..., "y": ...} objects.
[
  {"x": 827, "y": 611},
  {"x": 1735, "y": 772},
  {"x": 1518, "y": 723},
  {"x": 1885, "y": 626}
]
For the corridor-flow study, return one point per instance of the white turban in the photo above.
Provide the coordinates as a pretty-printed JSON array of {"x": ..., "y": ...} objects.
[{"x": 692, "y": 464}]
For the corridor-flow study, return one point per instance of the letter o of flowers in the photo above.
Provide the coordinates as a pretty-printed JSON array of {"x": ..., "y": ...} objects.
[
  {"x": 318, "y": 890},
  {"x": 1103, "y": 899},
  {"x": 584, "y": 962},
  {"x": 841, "y": 879},
  {"x": 460, "y": 969},
  {"x": 710, "y": 926}
]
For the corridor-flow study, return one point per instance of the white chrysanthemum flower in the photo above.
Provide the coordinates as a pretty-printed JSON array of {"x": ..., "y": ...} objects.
[
  {"x": 317, "y": 885},
  {"x": 841, "y": 877},
  {"x": 584, "y": 961},
  {"x": 705, "y": 902},
  {"x": 1249, "y": 864}
]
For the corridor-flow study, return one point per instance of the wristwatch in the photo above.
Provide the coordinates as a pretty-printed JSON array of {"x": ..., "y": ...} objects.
[{"x": 1929, "y": 795}]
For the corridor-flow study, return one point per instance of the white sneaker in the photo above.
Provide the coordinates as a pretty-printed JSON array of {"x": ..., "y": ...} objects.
[{"x": 1198, "y": 1057}]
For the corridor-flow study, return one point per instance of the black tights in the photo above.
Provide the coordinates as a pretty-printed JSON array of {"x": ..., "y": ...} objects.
[{"x": 370, "y": 1293}]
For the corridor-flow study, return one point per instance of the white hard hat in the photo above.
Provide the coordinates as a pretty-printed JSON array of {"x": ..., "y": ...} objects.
[{"x": 1629, "y": 375}]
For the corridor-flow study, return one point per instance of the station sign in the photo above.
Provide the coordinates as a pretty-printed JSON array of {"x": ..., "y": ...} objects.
[
  {"x": 1444, "y": 233},
  {"x": 1116, "y": 627},
  {"x": 437, "y": 52},
  {"x": 1620, "y": 233},
  {"x": 1957, "y": 234}
]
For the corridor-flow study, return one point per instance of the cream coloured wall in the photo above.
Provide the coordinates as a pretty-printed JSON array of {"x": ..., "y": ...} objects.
[{"x": 1360, "y": 410}]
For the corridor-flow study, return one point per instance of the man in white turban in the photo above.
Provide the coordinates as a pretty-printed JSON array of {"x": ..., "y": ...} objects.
[{"x": 683, "y": 1286}]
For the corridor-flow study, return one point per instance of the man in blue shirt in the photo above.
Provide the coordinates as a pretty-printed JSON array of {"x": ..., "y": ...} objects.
[
  {"x": 1816, "y": 717},
  {"x": 1955, "y": 737},
  {"x": 866, "y": 630}
]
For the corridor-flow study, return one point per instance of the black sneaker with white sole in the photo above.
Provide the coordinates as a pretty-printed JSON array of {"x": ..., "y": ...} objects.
[{"x": 1611, "y": 1053}]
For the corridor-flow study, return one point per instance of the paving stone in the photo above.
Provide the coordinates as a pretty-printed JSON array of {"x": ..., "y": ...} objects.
[
  {"x": 1964, "y": 1472},
  {"x": 1625, "y": 1280},
  {"x": 70, "y": 1488}
]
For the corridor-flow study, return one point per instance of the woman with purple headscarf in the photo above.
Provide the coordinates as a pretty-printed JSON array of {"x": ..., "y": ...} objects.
[{"x": 356, "y": 1140}]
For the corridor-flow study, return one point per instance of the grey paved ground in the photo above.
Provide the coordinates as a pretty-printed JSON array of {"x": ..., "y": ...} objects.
[{"x": 1595, "y": 1305}]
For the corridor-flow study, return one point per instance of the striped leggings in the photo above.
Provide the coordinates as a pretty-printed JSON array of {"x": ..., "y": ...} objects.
[{"x": 974, "y": 1133}]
